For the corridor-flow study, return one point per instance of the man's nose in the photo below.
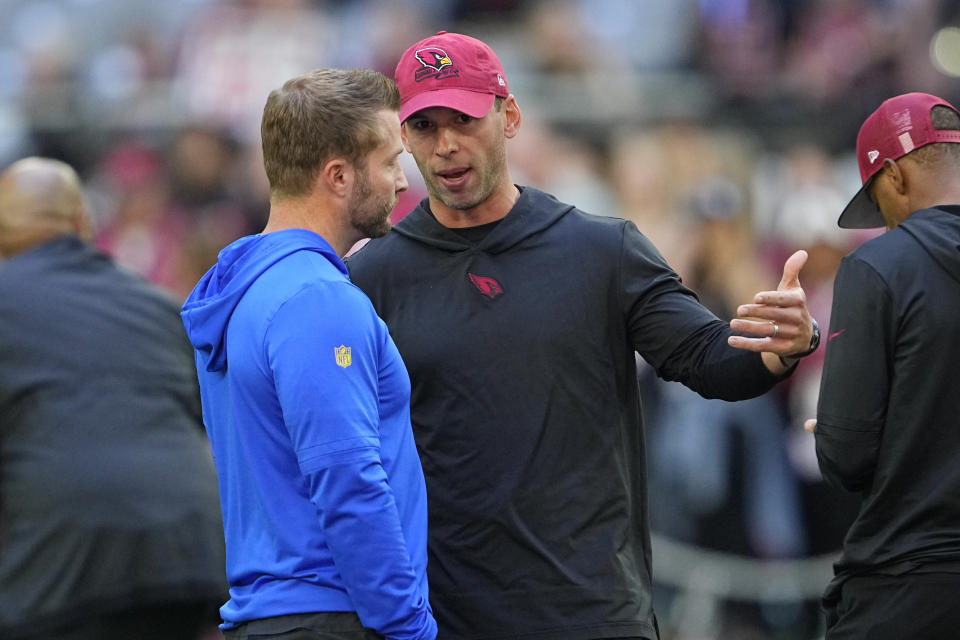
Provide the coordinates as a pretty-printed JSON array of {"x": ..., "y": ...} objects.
[{"x": 446, "y": 141}]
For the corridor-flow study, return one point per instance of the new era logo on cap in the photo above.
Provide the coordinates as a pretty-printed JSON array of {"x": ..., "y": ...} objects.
[
  {"x": 896, "y": 128},
  {"x": 450, "y": 70}
]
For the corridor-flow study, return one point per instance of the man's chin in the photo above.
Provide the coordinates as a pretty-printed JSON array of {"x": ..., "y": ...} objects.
[
  {"x": 382, "y": 230},
  {"x": 377, "y": 230},
  {"x": 460, "y": 201}
]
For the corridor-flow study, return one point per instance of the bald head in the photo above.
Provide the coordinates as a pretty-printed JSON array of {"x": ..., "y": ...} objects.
[{"x": 40, "y": 199}]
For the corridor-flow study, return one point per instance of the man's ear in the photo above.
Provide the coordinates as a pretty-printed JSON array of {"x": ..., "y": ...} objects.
[
  {"x": 895, "y": 173},
  {"x": 336, "y": 176},
  {"x": 511, "y": 116},
  {"x": 403, "y": 137}
]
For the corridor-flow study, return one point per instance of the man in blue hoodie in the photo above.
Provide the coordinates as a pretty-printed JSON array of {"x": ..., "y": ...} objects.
[
  {"x": 887, "y": 425},
  {"x": 304, "y": 394}
]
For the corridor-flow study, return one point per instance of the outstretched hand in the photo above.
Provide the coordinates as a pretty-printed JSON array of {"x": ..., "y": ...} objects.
[{"x": 777, "y": 322}]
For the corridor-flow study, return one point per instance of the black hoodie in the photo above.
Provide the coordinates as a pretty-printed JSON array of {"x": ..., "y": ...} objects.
[
  {"x": 525, "y": 407},
  {"x": 888, "y": 422}
]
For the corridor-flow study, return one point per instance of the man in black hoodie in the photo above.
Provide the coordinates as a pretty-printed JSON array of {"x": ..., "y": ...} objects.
[
  {"x": 887, "y": 422},
  {"x": 518, "y": 318}
]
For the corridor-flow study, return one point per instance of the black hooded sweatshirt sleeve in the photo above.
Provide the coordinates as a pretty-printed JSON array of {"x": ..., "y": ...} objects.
[{"x": 682, "y": 339}]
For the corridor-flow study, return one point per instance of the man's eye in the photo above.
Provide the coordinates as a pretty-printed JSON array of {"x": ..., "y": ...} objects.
[{"x": 465, "y": 119}]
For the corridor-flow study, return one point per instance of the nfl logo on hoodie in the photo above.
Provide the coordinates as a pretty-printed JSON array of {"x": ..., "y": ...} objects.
[{"x": 342, "y": 353}]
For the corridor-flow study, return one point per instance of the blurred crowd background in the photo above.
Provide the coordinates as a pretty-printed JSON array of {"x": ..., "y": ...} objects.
[{"x": 724, "y": 128}]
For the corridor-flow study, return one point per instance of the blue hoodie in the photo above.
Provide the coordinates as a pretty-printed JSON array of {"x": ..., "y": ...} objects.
[{"x": 306, "y": 402}]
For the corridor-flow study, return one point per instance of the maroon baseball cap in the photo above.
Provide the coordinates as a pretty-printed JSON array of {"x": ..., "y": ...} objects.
[
  {"x": 896, "y": 128},
  {"x": 450, "y": 70}
]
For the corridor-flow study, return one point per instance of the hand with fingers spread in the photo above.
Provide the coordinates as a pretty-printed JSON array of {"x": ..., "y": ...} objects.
[{"x": 778, "y": 323}]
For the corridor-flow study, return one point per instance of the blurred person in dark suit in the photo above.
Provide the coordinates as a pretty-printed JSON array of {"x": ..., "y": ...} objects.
[{"x": 109, "y": 515}]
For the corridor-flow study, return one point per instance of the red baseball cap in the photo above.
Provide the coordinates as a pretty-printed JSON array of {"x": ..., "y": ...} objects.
[
  {"x": 450, "y": 70},
  {"x": 896, "y": 128}
]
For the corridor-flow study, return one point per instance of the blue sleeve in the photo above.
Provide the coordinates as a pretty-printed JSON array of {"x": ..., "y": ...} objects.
[
  {"x": 856, "y": 377},
  {"x": 324, "y": 346}
]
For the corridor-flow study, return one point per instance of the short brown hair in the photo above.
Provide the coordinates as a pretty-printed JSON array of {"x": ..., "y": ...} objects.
[{"x": 318, "y": 116}]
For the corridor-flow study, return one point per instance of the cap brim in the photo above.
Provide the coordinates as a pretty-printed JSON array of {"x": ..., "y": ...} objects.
[
  {"x": 861, "y": 212},
  {"x": 473, "y": 103}
]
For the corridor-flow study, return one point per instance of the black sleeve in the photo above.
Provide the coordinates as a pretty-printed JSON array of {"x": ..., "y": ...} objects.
[
  {"x": 856, "y": 376},
  {"x": 679, "y": 337}
]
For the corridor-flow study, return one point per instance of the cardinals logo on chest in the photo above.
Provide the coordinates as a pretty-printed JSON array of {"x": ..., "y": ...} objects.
[{"x": 486, "y": 286}]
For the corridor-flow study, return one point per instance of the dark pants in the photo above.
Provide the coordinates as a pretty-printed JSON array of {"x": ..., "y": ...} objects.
[
  {"x": 338, "y": 626},
  {"x": 885, "y": 607},
  {"x": 171, "y": 621},
  {"x": 308, "y": 626}
]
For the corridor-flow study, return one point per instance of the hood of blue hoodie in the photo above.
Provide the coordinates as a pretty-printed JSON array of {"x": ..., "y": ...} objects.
[{"x": 207, "y": 311}]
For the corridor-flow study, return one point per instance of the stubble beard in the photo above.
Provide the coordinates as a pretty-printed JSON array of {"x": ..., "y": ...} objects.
[
  {"x": 489, "y": 181},
  {"x": 368, "y": 215}
]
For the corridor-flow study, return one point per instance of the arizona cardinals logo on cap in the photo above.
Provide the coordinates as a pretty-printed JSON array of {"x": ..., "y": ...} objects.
[{"x": 434, "y": 59}]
